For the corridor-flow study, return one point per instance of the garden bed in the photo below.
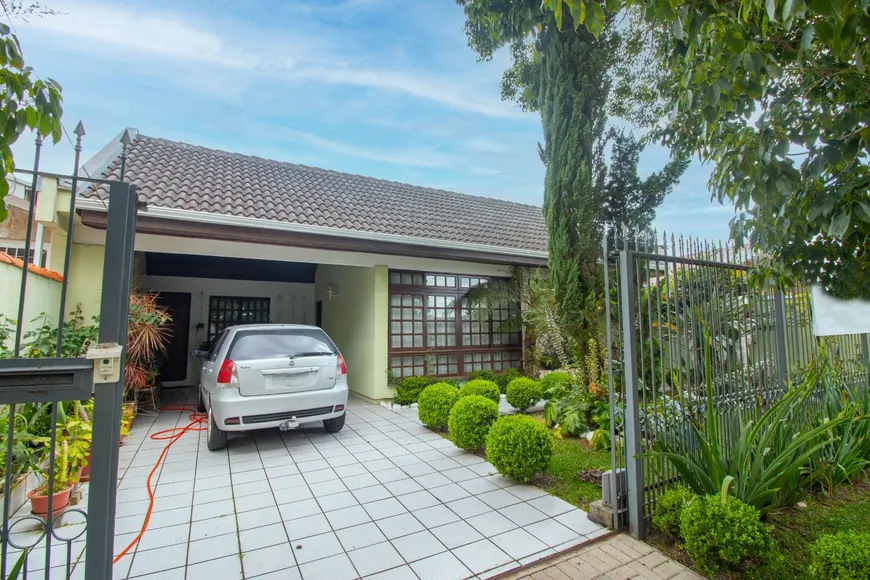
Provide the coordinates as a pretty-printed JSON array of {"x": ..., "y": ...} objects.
[{"x": 795, "y": 529}]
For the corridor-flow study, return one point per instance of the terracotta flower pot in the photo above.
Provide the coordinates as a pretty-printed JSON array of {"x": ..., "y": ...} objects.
[
  {"x": 85, "y": 473},
  {"x": 39, "y": 503}
]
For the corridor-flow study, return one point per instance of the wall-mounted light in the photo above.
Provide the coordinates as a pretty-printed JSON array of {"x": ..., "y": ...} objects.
[{"x": 332, "y": 290}]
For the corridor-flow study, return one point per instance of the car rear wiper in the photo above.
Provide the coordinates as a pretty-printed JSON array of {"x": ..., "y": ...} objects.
[{"x": 311, "y": 353}]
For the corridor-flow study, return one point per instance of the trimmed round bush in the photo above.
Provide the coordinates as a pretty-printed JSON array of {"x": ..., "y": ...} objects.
[
  {"x": 470, "y": 420},
  {"x": 519, "y": 447},
  {"x": 522, "y": 393},
  {"x": 841, "y": 556},
  {"x": 505, "y": 378},
  {"x": 725, "y": 535},
  {"x": 408, "y": 391},
  {"x": 485, "y": 375},
  {"x": 555, "y": 383},
  {"x": 481, "y": 387},
  {"x": 435, "y": 402},
  {"x": 669, "y": 508}
]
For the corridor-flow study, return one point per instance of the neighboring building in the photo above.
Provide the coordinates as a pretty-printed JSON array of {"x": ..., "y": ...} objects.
[
  {"x": 381, "y": 266},
  {"x": 13, "y": 230}
]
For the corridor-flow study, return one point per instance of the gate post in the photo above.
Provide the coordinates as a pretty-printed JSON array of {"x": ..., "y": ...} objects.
[
  {"x": 633, "y": 463},
  {"x": 114, "y": 308},
  {"x": 779, "y": 336}
]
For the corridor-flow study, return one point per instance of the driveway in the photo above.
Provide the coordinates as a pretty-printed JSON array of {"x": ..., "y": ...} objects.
[{"x": 383, "y": 498}]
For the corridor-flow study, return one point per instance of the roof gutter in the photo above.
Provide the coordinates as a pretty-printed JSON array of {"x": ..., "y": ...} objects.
[{"x": 247, "y": 222}]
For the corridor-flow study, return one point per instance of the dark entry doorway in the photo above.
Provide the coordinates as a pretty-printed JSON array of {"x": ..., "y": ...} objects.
[{"x": 175, "y": 366}]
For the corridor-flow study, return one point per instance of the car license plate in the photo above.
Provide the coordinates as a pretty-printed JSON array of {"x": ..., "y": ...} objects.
[{"x": 287, "y": 425}]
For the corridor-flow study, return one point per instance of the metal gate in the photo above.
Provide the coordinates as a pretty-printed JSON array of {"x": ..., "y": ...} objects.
[
  {"x": 46, "y": 401},
  {"x": 682, "y": 315}
]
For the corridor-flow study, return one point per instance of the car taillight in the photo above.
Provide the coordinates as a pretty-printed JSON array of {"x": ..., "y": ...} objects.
[
  {"x": 227, "y": 375},
  {"x": 342, "y": 368}
]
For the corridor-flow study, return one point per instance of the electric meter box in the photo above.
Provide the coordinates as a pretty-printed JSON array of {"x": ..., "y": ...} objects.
[{"x": 107, "y": 362}]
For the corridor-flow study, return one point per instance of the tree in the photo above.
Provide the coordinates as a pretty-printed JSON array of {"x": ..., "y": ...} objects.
[
  {"x": 26, "y": 102},
  {"x": 775, "y": 94},
  {"x": 629, "y": 200}
]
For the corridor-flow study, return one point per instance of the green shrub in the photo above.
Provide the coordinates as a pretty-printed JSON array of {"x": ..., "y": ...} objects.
[
  {"x": 485, "y": 375},
  {"x": 435, "y": 402},
  {"x": 522, "y": 393},
  {"x": 842, "y": 556},
  {"x": 481, "y": 387},
  {"x": 600, "y": 440},
  {"x": 470, "y": 420},
  {"x": 669, "y": 508},
  {"x": 505, "y": 378},
  {"x": 519, "y": 447},
  {"x": 728, "y": 534},
  {"x": 409, "y": 389},
  {"x": 556, "y": 384}
]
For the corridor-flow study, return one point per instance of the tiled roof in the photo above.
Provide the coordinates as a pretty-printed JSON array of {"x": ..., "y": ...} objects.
[
  {"x": 181, "y": 176},
  {"x": 32, "y": 268}
]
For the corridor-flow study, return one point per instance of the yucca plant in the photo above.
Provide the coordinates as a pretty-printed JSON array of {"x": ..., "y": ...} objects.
[
  {"x": 845, "y": 454},
  {"x": 148, "y": 333},
  {"x": 763, "y": 463}
]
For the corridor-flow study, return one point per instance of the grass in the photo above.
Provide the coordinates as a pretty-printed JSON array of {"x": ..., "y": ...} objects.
[
  {"x": 572, "y": 456},
  {"x": 796, "y": 529}
]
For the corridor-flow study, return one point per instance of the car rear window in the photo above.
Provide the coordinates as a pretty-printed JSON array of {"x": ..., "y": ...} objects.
[{"x": 258, "y": 344}]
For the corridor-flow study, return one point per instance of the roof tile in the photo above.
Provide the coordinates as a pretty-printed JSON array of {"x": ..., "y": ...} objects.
[{"x": 181, "y": 176}]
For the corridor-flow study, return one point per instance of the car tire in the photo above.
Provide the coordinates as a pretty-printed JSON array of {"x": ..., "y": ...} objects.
[
  {"x": 334, "y": 425},
  {"x": 215, "y": 438},
  {"x": 200, "y": 402}
]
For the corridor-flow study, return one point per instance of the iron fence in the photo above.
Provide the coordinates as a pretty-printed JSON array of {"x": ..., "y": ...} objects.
[
  {"x": 683, "y": 316},
  {"x": 52, "y": 521}
]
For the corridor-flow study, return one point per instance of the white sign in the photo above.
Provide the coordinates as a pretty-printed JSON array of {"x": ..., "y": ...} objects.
[{"x": 832, "y": 316}]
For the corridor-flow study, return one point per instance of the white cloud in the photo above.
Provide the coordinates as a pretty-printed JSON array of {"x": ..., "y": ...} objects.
[
  {"x": 104, "y": 30},
  {"x": 412, "y": 157}
]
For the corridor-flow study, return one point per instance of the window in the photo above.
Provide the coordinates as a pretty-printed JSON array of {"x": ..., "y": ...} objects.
[
  {"x": 16, "y": 252},
  {"x": 435, "y": 331},
  {"x": 260, "y": 344},
  {"x": 224, "y": 311},
  {"x": 216, "y": 346}
]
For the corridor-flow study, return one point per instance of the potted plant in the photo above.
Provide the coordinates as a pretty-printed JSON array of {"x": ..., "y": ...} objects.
[
  {"x": 77, "y": 432},
  {"x": 66, "y": 474}
]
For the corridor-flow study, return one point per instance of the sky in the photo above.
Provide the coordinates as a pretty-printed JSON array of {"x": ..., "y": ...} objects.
[{"x": 373, "y": 87}]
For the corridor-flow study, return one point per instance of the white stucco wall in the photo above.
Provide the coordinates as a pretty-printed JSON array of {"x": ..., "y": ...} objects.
[
  {"x": 42, "y": 296},
  {"x": 289, "y": 303}
]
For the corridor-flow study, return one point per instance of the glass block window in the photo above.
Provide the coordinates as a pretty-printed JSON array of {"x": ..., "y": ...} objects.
[
  {"x": 441, "y": 280},
  {"x": 471, "y": 282},
  {"x": 490, "y": 361},
  {"x": 440, "y": 320},
  {"x": 408, "y": 366},
  {"x": 406, "y": 279},
  {"x": 510, "y": 313},
  {"x": 433, "y": 330},
  {"x": 475, "y": 326},
  {"x": 406, "y": 321},
  {"x": 447, "y": 364},
  {"x": 224, "y": 311}
]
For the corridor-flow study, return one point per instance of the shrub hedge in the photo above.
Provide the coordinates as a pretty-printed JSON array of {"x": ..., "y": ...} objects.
[
  {"x": 434, "y": 404},
  {"x": 470, "y": 420},
  {"x": 522, "y": 393},
  {"x": 409, "y": 389},
  {"x": 481, "y": 387},
  {"x": 669, "y": 508},
  {"x": 519, "y": 447},
  {"x": 505, "y": 378},
  {"x": 841, "y": 556},
  {"x": 555, "y": 384}
]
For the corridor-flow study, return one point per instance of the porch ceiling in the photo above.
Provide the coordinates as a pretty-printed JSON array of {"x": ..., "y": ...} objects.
[{"x": 219, "y": 267}]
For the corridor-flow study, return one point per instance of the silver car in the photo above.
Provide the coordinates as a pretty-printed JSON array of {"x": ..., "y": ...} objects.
[{"x": 271, "y": 375}]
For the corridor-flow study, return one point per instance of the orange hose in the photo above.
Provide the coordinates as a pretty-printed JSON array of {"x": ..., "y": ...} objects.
[{"x": 197, "y": 423}]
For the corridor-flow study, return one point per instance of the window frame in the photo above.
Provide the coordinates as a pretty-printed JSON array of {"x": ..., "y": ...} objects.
[
  {"x": 267, "y": 310},
  {"x": 437, "y": 357}
]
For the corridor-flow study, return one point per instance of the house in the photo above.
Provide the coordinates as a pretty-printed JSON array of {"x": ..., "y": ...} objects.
[
  {"x": 381, "y": 266},
  {"x": 13, "y": 230}
]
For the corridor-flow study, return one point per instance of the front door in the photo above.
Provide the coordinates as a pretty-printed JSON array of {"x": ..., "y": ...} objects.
[{"x": 174, "y": 368}]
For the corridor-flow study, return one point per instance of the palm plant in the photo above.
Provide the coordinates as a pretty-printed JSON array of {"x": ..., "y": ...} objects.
[
  {"x": 760, "y": 461},
  {"x": 148, "y": 333}
]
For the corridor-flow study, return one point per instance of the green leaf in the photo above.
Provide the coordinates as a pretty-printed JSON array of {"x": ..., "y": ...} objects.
[
  {"x": 839, "y": 224},
  {"x": 771, "y": 9},
  {"x": 613, "y": 5},
  {"x": 578, "y": 12},
  {"x": 713, "y": 93},
  {"x": 787, "y": 10},
  {"x": 677, "y": 29},
  {"x": 557, "y": 12},
  {"x": 726, "y": 483},
  {"x": 862, "y": 210},
  {"x": 807, "y": 38},
  {"x": 595, "y": 18}
]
